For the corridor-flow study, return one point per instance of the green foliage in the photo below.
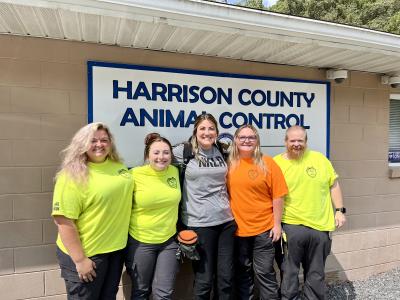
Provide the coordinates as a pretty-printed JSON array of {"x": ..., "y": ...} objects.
[
  {"x": 252, "y": 3},
  {"x": 381, "y": 15},
  {"x": 393, "y": 24}
]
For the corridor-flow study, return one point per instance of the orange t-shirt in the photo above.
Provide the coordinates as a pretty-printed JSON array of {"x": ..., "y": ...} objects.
[{"x": 252, "y": 192}]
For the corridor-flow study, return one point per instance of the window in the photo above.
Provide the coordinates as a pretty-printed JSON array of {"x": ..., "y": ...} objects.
[{"x": 394, "y": 130}]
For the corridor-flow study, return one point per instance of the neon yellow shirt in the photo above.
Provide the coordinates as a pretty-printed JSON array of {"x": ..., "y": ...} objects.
[
  {"x": 309, "y": 200},
  {"x": 101, "y": 208},
  {"x": 155, "y": 204}
]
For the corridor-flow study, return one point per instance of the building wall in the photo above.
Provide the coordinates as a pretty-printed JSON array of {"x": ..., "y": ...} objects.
[{"x": 43, "y": 101}]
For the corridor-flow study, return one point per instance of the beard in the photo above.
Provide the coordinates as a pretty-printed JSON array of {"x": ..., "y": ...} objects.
[{"x": 296, "y": 152}]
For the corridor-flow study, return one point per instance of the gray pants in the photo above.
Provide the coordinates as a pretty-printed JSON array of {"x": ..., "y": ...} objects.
[
  {"x": 310, "y": 248},
  {"x": 152, "y": 268}
]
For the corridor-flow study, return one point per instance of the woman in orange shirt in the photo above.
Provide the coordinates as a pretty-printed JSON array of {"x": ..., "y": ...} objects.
[{"x": 257, "y": 187}]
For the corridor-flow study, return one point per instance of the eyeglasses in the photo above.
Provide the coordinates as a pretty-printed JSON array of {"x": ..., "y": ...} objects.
[{"x": 250, "y": 138}]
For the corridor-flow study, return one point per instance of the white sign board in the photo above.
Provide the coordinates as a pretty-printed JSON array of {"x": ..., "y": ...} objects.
[{"x": 136, "y": 100}]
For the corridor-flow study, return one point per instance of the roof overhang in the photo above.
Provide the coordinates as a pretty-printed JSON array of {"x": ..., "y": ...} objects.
[{"x": 205, "y": 28}]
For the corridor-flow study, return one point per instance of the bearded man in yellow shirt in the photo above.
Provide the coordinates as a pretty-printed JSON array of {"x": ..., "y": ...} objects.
[{"x": 308, "y": 215}]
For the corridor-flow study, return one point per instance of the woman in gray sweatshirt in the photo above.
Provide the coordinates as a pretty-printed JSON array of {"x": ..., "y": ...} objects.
[{"x": 206, "y": 210}]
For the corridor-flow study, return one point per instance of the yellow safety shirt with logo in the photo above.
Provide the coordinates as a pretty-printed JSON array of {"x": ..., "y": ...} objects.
[
  {"x": 155, "y": 204},
  {"x": 309, "y": 180},
  {"x": 101, "y": 208}
]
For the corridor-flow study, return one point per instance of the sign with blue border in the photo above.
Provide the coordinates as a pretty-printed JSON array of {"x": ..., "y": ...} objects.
[{"x": 136, "y": 100}]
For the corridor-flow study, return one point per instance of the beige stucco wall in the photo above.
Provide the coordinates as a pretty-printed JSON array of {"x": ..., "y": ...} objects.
[{"x": 43, "y": 101}]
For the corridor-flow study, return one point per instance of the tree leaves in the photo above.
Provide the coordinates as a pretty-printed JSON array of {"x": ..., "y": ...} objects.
[{"x": 383, "y": 15}]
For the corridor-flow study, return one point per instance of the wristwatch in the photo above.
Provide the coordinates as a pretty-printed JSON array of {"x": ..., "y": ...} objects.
[{"x": 341, "y": 209}]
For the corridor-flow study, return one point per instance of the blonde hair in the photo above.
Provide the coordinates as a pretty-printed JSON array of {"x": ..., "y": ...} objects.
[
  {"x": 74, "y": 157},
  {"x": 234, "y": 156},
  {"x": 197, "y": 122}
]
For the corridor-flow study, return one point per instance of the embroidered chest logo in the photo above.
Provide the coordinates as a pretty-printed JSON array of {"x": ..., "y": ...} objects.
[
  {"x": 124, "y": 173},
  {"x": 311, "y": 171},
  {"x": 172, "y": 182},
  {"x": 253, "y": 174}
]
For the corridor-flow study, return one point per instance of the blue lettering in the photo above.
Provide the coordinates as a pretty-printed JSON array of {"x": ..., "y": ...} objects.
[
  {"x": 212, "y": 93},
  {"x": 222, "y": 120},
  {"x": 309, "y": 100},
  {"x": 185, "y": 93},
  {"x": 254, "y": 97},
  {"x": 161, "y": 121},
  {"x": 237, "y": 116},
  {"x": 141, "y": 91},
  {"x": 127, "y": 89},
  {"x": 158, "y": 89},
  {"x": 289, "y": 118},
  {"x": 269, "y": 117},
  {"x": 256, "y": 122},
  {"x": 129, "y": 117},
  {"x": 144, "y": 115},
  {"x": 240, "y": 97},
  {"x": 174, "y": 91},
  {"x": 169, "y": 119},
  {"x": 191, "y": 118},
  {"x": 279, "y": 120},
  {"x": 228, "y": 120},
  {"x": 227, "y": 97},
  {"x": 159, "y": 118},
  {"x": 269, "y": 100},
  {"x": 289, "y": 100},
  {"x": 193, "y": 91},
  {"x": 301, "y": 123}
]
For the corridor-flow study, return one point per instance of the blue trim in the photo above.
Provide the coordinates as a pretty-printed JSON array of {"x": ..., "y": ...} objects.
[
  {"x": 328, "y": 118},
  {"x": 90, "y": 91}
]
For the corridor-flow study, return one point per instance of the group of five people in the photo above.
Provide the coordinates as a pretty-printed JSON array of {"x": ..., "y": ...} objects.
[{"x": 107, "y": 215}]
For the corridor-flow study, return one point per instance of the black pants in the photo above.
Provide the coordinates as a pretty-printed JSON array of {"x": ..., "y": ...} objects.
[
  {"x": 310, "y": 248},
  {"x": 255, "y": 255},
  {"x": 103, "y": 287},
  {"x": 215, "y": 246}
]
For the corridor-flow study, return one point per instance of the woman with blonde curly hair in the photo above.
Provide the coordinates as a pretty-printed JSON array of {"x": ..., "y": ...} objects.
[
  {"x": 256, "y": 187},
  {"x": 91, "y": 208}
]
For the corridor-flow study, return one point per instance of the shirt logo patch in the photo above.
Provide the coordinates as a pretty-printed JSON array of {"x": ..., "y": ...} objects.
[
  {"x": 172, "y": 182},
  {"x": 311, "y": 171},
  {"x": 124, "y": 173},
  {"x": 253, "y": 174}
]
